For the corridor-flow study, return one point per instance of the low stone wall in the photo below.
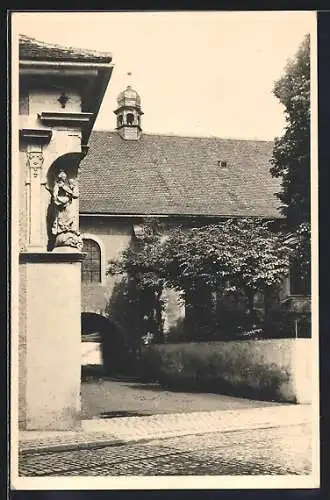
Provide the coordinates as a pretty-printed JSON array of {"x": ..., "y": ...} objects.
[{"x": 276, "y": 369}]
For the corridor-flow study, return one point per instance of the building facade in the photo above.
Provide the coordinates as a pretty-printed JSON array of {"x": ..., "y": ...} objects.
[{"x": 130, "y": 177}]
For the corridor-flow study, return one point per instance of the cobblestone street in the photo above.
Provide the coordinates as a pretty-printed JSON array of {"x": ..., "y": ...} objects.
[{"x": 273, "y": 451}]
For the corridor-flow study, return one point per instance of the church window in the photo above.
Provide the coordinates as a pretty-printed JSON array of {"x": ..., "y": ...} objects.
[
  {"x": 130, "y": 119},
  {"x": 91, "y": 264}
]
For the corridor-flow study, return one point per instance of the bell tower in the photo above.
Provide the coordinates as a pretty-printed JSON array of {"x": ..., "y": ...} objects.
[{"x": 129, "y": 114}]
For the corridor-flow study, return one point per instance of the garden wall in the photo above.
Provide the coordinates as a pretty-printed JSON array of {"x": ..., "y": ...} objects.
[{"x": 276, "y": 369}]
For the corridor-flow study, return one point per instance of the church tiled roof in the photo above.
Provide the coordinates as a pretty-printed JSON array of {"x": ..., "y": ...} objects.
[
  {"x": 32, "y": 49},
  {"x": 174, "y": 175}
]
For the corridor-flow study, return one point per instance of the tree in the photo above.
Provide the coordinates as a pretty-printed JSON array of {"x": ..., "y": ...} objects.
[
  {"x": 291, "y": 155},
  {"x": 140, "y": 289},
  {"x": 235, "y": 256}
]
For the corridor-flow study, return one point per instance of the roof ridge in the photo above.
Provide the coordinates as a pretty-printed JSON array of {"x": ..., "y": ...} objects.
[{"x": 159, "y": 134}]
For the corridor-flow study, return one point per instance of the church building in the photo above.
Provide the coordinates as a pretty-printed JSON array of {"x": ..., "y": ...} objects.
[{"x": 130, "y": 176}]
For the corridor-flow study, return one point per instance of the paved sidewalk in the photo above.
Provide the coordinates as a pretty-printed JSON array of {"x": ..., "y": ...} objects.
[{"x": 100, "y": 433}]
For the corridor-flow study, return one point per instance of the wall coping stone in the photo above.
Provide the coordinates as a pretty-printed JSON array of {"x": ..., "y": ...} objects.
[{"x": 51, "y": 257}]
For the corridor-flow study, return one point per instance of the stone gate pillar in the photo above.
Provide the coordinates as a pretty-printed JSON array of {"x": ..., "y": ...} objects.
[
  {"x": 60, "y": 93},
  {"x": 51, "y": 276}
]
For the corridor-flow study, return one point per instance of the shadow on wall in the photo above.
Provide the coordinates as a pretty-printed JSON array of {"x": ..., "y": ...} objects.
[
  {"x": 274, "y": 370},
  {"x": 114, "y": 343},
  {"x": 134, "y": 309}
]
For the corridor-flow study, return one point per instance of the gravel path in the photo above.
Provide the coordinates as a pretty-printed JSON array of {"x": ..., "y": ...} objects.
[{"x": 116, "y": 398}]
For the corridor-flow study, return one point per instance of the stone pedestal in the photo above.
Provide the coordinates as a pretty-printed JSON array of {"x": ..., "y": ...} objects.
[{"x": 50, "y": 371}]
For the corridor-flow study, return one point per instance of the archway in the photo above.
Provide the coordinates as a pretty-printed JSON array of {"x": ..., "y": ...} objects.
[{"x": 112, "y": 339}]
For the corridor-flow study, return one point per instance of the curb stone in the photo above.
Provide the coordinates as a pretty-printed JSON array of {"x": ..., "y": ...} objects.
[
  {"x": 93, "y": 445},
  {"x": 44, "y": 448},
  {"x": 129, "y": 430}
]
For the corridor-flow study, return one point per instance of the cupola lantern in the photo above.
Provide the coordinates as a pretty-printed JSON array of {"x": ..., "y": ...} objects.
[{"x": 129, "y": 114}]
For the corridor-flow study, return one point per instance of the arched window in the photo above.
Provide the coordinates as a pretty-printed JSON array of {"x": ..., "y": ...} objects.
[
  {"x": 91, "y": 264},
  {"x": 130, "y": 119},
  {"x": 120, "y": 120}
]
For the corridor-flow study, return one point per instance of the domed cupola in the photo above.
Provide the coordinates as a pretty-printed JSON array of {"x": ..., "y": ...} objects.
[{"x": 129, "y": 114}]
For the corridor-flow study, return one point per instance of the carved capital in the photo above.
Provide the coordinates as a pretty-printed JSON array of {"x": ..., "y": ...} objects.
[{"x": 35, "y": 161}]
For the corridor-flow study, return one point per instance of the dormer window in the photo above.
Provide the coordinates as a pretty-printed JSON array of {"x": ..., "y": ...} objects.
[{"x": 130, "y": 119}]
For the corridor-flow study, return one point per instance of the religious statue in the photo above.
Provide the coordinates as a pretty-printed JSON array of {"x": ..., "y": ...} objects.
[{"x": 65, "y": 226}]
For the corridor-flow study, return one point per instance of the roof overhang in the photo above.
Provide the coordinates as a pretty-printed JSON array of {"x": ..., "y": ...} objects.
[
  {"x": 186, "y": 216},
  {"x": 31, "y": 63},
  {"x": 128, "y": 107},
  {"x": 89, "y": 78}
]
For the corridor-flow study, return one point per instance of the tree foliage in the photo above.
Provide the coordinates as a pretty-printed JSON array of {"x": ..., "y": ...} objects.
[
  {"x": 139, "y": 301},
  {"x": 291, "y": 155},
  {"x": 235, "y": 256},
  {"x": 300, "y": 243}
]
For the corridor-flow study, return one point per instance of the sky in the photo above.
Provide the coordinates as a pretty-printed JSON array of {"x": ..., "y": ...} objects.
[{"x": 198, "y": 73}]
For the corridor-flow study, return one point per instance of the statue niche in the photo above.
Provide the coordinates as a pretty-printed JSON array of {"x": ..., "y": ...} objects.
[{"x": 63, "y": 216}]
